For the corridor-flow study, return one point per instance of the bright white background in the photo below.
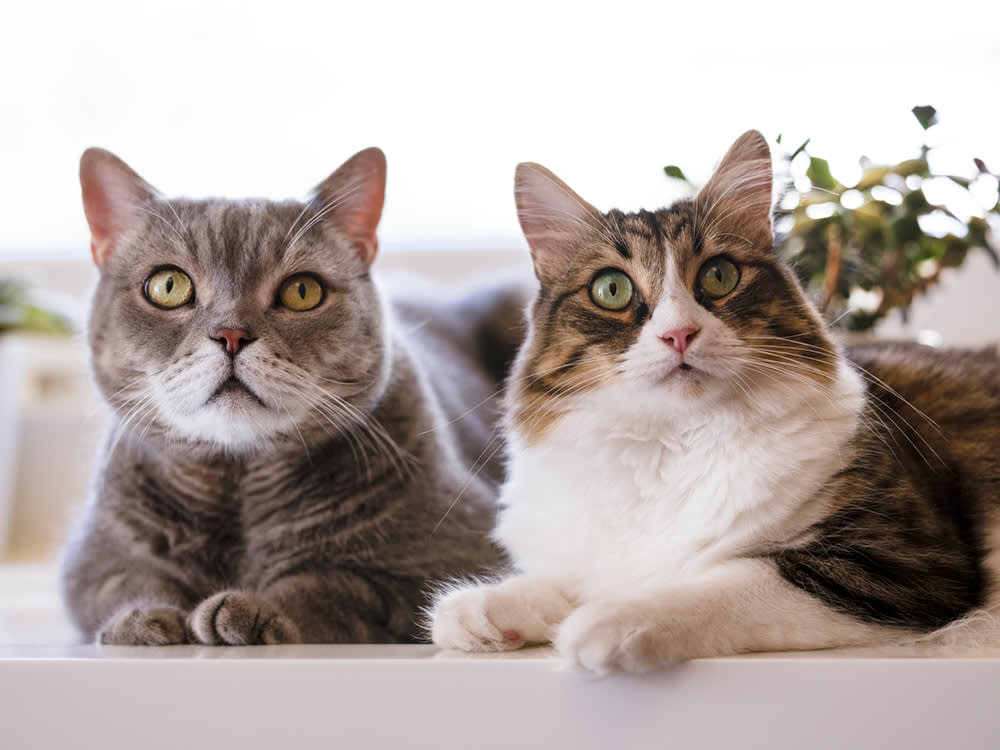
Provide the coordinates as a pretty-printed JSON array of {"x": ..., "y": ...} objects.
[{"x": 251, "y": 98}]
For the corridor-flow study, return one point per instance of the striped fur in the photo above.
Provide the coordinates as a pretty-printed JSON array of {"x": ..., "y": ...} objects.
[
  {"x": 356, "y": 463},
  {"x": 757, "y": 490}
]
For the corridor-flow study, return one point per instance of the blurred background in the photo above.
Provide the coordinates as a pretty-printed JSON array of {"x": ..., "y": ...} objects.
[{"x": 265, "y": 99}]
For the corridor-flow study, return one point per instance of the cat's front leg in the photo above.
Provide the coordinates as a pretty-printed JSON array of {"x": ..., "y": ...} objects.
[
  {"x": 499, "y": 617},
  {"x": 130, "y": 608},
  {"x": 238, "y": 618},
  {"x": 743, "y": 606}
]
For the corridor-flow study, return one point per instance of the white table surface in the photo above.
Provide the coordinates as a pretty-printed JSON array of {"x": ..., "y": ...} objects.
[{"x": 54, "y": 694}]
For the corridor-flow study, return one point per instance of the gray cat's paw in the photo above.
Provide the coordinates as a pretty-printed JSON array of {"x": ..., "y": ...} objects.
[
  {"x": 144, "y": 626},
  {"x": 235, "y": 618}
]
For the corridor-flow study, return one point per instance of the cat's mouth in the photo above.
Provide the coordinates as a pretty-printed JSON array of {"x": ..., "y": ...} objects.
[
  {"x": 233, "y": 387},
  {"x": 682, "y": 373}
]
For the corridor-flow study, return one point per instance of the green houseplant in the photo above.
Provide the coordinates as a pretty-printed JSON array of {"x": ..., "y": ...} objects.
[
  {"x": 20, "y": 312},
  {"x": 871, "y": 247}
]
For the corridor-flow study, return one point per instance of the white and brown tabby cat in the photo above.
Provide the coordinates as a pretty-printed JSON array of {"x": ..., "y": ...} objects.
[
  {"x": 696, "y": 469},
  {"x": 289, "y": 446}
]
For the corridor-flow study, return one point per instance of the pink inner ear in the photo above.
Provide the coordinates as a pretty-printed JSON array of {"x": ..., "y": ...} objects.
[
  {"x": 553, "y": 218},
  {"x": 99, "y": 207},
  {"x": 112, "y": 199},
  {"x": 353, "y": 197},
  {"x": 361, "y": 217},
  {"x": 738, "y": 195}
]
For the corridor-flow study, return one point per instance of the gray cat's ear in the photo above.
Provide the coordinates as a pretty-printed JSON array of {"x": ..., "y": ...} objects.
[
  {"x": 554, "y": 219},
  {"x": 351, "y": 201},
  {"x": 113, "y": 200},
  {"x": 737, "y": 197}
]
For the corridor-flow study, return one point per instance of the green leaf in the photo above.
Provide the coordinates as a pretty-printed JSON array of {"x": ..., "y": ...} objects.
[
  {"x": 860, "y": 321},
  {"x": 819, "y": 173},
  {"x": 926, "y": 115},
  {"x": 18, "y": 313},
  {"x": 909, "y": 167},
  {"x": 674, "y": 172},
  {"x": 905, "y": 229},
  {"x": 778, "y": 139},
  {"x": 916, "y": 202}
]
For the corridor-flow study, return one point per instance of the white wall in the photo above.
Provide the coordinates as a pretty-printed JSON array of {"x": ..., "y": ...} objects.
[{"x": 218, "y": 97}]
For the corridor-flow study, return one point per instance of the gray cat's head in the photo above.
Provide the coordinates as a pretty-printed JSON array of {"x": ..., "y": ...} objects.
[{"x": 236, "y": 324}]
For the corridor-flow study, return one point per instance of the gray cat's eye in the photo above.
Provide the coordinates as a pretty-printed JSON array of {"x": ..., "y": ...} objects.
[
  {"x": 718, "y": 277},
  {"x": 612, "y": 290},
  {"x": 169, "y": 288},
  {"x": 301, "y": 292}
]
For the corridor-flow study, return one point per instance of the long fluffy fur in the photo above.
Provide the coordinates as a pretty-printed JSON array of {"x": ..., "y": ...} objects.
[{"x": 759, "y": 490}]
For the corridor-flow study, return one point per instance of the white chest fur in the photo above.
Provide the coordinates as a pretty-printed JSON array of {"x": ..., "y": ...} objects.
[{"x": 611, "y": 510}]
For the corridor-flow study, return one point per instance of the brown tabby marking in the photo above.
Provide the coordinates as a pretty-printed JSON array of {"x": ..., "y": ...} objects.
[
  {"x": 722, "y": 479},
  {"x": 907, "y": 542}
]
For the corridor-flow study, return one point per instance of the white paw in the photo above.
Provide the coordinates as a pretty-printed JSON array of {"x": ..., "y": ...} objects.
[
  {"x": 607, "y": 637},
  {"x": 499, "y": 617}
]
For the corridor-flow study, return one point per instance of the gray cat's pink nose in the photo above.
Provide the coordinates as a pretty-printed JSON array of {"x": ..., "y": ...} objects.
[
  {"x": 234, "y": 338},
  {"x": 679, "y": 338}
]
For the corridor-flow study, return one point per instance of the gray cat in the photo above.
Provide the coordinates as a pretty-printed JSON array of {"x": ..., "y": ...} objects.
[{"x": 292, "y": 459}]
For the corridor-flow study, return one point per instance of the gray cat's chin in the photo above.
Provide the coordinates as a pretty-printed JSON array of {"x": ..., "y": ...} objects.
[{"x": 243, "y": 430}]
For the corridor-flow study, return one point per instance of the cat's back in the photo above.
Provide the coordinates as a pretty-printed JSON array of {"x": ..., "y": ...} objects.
[
  {"x": 462, "y": 346},
  {"x": 951, "y": 386},
  {"x": 482, "y": 325},
  {"x": 943, "y": 404}
]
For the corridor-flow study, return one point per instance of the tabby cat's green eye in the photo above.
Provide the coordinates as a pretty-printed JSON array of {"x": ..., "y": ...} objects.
[
  {"x": 612, "y": 290},
  {"x": 301, "y": 292},
  {"x": 718, "y": 277},
  {"x": 169, "y": 288}
]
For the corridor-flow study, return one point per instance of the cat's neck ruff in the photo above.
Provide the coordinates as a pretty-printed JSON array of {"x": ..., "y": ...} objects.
[
  {"x": 641, "y": 499},
  {"x": 636, "y": 414}
]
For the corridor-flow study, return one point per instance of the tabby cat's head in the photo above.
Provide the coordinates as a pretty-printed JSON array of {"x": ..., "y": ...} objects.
[
  {"x": 235, "y": 324},
  {"x": 654, "y": 314}
]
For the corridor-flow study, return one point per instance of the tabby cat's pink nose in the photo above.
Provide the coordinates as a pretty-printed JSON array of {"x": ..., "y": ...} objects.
[
  {"x": 679, "y": 338},
  {"x": 234, "y": 338}
]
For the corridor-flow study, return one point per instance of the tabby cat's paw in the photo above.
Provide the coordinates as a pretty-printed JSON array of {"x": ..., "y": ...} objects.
[
  {"x": 144, "y": 626},
  {"x": 608, "y": 637},
  {"x": 499, "y": 617},
  {"x": 235, "y": 618}
]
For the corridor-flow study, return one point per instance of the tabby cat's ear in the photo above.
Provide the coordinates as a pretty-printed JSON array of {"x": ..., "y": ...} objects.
[
  {"x": 737, "y": 197},
  {"x": 554, "y": 219},
  {"x": 351, "y": 200},
  {"x": 113, "y": 200}
]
